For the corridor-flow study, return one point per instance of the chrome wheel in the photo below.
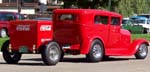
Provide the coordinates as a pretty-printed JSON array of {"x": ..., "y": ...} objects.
[
  {"x": 53, "y": 53},
  {"x": 143, "y": 50},
  {"x": 97, "y": 51},
  {"x": 3, "y": 33}
]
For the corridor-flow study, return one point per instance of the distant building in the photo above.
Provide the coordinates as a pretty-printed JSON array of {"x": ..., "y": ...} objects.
[{"x": 27, "y": 6}]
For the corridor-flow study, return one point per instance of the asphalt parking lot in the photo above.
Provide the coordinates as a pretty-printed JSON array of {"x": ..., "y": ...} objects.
[{"x": 33, "y": 63}]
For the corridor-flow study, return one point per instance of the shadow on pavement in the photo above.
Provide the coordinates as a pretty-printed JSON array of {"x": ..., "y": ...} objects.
[
  {"x": 31, "y": 64},
  {"x": 66, "y": 59},
  {"x": 33, "y": 59},
  {"x": 25, "y": 63},
  {"x": 83, "y": 60}
]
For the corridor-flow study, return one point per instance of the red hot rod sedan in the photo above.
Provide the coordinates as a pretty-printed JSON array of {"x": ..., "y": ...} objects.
[{"x": 95, "y": 33}]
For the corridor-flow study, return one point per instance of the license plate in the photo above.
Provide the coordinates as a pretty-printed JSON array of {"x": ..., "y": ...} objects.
[{"x": 23, "y": 49}]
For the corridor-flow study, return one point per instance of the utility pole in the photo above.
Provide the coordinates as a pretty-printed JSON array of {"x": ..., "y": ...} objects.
[
  {"x": 19, "y": 6},
  {"x": 109, "y": 5}
]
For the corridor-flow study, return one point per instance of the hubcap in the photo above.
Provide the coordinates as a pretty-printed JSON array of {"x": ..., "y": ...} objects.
[
  {"x": 97, "y": 51},
  {"x": 53, "y": 53},
  {"x": 12, "y": 55},
  {"x": 3, "y": 33},
  {"x": 143, "y": 50}
]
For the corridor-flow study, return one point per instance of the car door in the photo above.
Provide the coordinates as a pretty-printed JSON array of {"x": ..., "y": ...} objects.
[
  {"x": 102, "y": 27},
  {"x": 114, "y": 33}
]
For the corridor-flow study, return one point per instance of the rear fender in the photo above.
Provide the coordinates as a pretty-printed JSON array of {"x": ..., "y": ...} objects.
[
  {"x": 86, "y": 44},
  {"x": 46, "y": 42},
  {"x": 43, "y": 45},
  {"x": 136, "y": 43}
]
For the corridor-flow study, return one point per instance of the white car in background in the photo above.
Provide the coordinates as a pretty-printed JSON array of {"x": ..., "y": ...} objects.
[{"x": 145, "y": 22}]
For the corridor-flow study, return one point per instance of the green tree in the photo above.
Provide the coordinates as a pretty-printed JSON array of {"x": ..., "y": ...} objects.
[
  {"x": 69, "y": 3},
  {"x": 94, "y": 4},
  {"x": 125, "y": 7},
  {"x": 139, "y": 6}
]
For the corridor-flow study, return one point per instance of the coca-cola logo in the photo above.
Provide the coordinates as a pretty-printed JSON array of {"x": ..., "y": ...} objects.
[
  {"x": 23, "y": 28},
  {"x": 45, "y": 28}
]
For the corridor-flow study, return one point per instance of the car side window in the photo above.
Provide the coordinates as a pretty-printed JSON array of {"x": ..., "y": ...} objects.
[
  {"x": 115, "y": 21},
  {"x": 101, "y": 19}
]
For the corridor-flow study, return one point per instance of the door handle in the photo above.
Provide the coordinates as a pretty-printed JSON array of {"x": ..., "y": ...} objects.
[{"x": 113, "y": 30}]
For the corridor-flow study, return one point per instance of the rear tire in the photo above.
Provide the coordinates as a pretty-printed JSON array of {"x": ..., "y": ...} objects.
[
  {"x": 10, "y": 58},
  {"x": 62, "y": 55},
  {"x": 51, "y": 54},
  {"x": 142, "y": 51},
  {"x": 96, "y": 52},
  {"x": 105, "y": 58}
]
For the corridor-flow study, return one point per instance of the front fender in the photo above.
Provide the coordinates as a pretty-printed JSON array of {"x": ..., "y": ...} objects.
[{"x": 136, "y": 43}]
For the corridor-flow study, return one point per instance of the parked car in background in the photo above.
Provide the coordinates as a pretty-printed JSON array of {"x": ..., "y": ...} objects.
[
  {"x": 5, "y": 18},
  {"x": 128, "y": 24},
  {"x": 144, "y": 21},
  {"x": 144, "y": 15},
  {"x": 126, "y": 21}
]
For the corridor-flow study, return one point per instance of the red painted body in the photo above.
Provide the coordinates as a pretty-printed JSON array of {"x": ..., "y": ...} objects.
[
  {"x": 75, "y": 33},
  {"x": 28, "y": 33},
  {"x": 81, "y": 30}
]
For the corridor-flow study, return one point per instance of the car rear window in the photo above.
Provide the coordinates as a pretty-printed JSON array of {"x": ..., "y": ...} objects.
[{"x": 67, "y": 17}]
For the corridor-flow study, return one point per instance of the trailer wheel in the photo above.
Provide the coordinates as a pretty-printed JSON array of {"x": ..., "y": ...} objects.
[
  {"x": 3, "y": 33},
  {"x": 51, "y": 54},
  {"x": 96, "y": 52},
  {"x": 142, "y": 51},
  {"x": 10, "y": 58}
]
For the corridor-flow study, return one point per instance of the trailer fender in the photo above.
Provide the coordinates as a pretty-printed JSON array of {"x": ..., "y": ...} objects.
[{"x": 3, "y": 46}]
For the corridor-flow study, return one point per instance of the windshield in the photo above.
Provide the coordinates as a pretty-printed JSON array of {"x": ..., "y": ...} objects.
[
  {"x": 127, "y": 22},
  {"x": 5, "y": 16},
  {"x": 140, "y": 21}
]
